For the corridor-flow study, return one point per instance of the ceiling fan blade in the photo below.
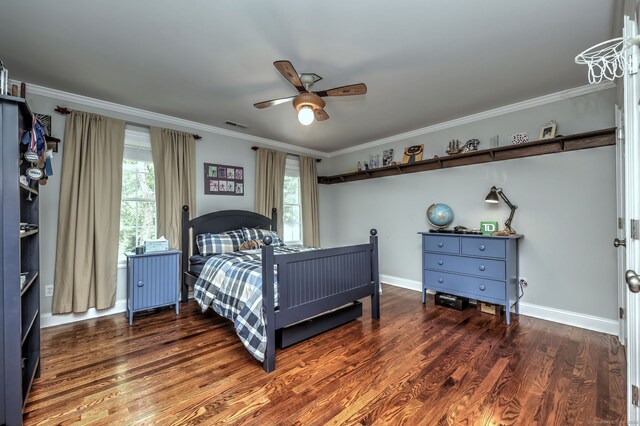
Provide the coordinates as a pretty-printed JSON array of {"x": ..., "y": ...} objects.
[
  {"x": 320, "y": 114},
  {"x": 287, "y": 70},
  {"x": 352, "y": 89},
  {"x": 273, "y": 102}
]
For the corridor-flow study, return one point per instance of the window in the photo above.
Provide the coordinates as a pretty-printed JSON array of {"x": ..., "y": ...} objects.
[
  {"x": 292, "y": 215},
  {"x": 138, "y": 206}
]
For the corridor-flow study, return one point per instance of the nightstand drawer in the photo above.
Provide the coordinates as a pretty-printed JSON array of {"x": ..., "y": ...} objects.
[
  {"x": 485, "y": 247},
  {"x": 470, "y": 286},
  {"x": 442, "y": 244},
  {"x": 485, "y": 268}
]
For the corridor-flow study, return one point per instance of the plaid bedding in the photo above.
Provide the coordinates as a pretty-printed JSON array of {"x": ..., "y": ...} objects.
[{"x": 231, "y": 284}]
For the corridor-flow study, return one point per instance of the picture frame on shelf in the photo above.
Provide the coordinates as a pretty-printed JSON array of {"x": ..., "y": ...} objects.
[{"x": 548, "y": 131}]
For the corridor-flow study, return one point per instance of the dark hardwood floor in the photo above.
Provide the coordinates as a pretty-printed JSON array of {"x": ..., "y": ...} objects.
[{"x": 417, "y": 365}]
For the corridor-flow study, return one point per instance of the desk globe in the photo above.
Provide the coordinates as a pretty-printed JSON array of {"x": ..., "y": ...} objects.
[{"x": 439, "y": 215}]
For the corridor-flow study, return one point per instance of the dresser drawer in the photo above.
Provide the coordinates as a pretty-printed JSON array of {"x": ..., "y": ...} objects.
[
  {"x": 486, "y": 268},
  {"x": 442, "y": 244},
  {"x": 485, "y": 247},
  {"x": 470, "y": 286}
]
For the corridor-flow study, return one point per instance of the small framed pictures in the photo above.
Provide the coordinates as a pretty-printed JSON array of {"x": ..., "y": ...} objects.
[
  {"x": 221, "y": 179},
  {"x": 548, "y": 131}
]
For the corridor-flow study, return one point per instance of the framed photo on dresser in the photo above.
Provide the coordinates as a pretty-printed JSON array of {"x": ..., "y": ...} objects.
[{"x": 221, "y": 179}]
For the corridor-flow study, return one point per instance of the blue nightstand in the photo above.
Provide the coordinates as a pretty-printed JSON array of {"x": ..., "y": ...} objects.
[{"x": 153, "y": 280}]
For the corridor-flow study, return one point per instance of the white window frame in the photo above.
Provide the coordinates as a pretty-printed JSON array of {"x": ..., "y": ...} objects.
[
  {"x": 292, "y": 168},
  {"x": 137, "y": 146}
]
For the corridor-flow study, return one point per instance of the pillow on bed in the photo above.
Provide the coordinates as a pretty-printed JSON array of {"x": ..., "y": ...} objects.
[
  {"x": 259, "y": 234},
  {"x": 237, "y": 236},
  {"x": 214, "y": 244}
]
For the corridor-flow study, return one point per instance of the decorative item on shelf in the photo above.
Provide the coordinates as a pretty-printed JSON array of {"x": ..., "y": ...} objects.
[
  {"x": 439, "y": 215},
  {"x": 518, "y": 138},
  {"x": 492, "y": 197},
  {"x": 453, "y": 147},
  {"x": 387, "y": 157},
  {"x": 413, "y": 153},
  {"x": 470, "y": 145},
  {"x": 366, "y": 165},
  {"x": 359, "y": 166},
  {"x": 548, "y": 131},
  {"x": 494, "y": 141},
  {"x": 4, "y": 79},
  {"x": 488, "y": 228},
  {"x": 221, "y": 179},
  {"x": 374, "y": 161}
]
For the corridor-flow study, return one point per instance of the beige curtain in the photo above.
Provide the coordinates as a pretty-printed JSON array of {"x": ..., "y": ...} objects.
[
  {"x": 89, "y": 213},
  {"x": 174, "y": 162},
  {"x": 309, "y": 196},
  {"x": 270, "y": 167}
]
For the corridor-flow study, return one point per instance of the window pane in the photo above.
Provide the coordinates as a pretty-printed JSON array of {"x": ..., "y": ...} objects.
[
  {"x": 138, "y": 206},
  {"x": 129, "y": 213},
  {"x": 291, "y": 189},
  {"x": 147, "y": 214}
]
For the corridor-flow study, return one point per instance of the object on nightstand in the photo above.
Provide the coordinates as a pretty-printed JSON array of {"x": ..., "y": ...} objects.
[
  {"x": 160, "y": 244},
  {"x": 489, "y": 308},
  {"x": 492, "y": 197},
  {"x": 458, "y": 303}
]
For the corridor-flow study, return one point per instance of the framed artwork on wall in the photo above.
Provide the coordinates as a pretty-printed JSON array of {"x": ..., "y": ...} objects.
[{"x": 220, "y": 179}]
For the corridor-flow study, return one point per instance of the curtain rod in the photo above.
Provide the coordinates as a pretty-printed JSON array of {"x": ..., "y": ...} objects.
[
  {"x": 66, "y": 111},
  {"x": 255, "y": 148}
]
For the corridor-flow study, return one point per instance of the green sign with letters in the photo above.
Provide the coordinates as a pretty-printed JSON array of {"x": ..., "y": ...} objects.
[{"x": 488, "y": 228}]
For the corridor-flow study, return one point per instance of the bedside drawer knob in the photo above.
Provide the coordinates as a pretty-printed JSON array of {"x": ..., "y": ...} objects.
[
  {"x": 440, "y": 262},
  {"x": 440, "y": 280},
  {"x": 482, "y": 247},
  {"x": 440, "y": 244},
  {"x": 482, "y": 287},
  {"x": 481, "y": 267},
  {"x": 140, "y": 284}
]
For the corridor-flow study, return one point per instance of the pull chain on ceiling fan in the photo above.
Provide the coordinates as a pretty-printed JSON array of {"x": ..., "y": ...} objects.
[{"x": 309, "y": 104}]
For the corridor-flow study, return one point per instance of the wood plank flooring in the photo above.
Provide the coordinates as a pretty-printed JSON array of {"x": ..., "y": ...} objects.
[{"x": 418, "y": 365}]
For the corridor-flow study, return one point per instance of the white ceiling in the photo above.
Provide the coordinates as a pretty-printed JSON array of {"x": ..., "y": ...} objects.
[{"x": 424, "y": 62}]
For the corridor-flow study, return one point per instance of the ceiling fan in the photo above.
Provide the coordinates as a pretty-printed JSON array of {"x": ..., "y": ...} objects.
[{"x": 309, "y": 104}]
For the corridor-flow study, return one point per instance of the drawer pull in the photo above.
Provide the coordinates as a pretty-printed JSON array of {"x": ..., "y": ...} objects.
[
  {"x": 140, "y": 284},
  {"x": 482, "y": 287},
  {"x": 440, "y": 280},
  {"x": 440, "y": 262},
  {"x": 482, "y": 268},
  {"x": 440, "y": 244},
  {"x": 482, "y": 247}
]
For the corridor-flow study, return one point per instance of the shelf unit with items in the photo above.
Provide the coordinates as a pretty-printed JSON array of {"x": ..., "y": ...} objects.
[{"x": 20, "y": 272}]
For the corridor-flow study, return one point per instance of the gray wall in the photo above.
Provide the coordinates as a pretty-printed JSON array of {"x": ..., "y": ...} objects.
[
  {"x": 212, "y": 148},
  {"x": 566, "y": 202}
]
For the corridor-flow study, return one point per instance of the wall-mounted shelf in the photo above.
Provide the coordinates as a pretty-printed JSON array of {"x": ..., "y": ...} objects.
[{"x": 575, "y": 142}]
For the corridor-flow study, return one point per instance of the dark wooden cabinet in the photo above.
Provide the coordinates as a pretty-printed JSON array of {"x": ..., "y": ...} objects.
[{"x": 19, "y": 254}]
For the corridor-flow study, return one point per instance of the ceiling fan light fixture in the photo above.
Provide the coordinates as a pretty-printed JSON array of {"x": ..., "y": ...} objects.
[{"x": 305, "y": 115}]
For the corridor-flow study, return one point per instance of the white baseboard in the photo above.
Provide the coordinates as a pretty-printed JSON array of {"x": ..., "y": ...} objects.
[
  {"x": 50, "y": 320},
  {"x": 575, "y": 319}
]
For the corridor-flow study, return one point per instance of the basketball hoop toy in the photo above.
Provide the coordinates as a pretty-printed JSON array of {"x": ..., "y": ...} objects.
[{"x": 607, "y": 60}]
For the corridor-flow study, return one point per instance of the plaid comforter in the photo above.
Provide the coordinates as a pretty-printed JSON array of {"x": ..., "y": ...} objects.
[{"x": 231, "y": 284}]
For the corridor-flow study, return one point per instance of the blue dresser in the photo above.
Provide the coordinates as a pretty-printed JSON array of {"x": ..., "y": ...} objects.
[
  {"x": 479, "y": 267},
  {"x": 153, "y": 280}
]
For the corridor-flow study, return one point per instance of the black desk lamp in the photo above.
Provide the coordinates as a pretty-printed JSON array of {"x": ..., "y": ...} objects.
[{"x": 492, "y": 197}]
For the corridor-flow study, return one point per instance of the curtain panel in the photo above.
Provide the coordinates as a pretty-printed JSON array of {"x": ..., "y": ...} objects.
[
  {"x": 309, "y": 198},
  {"x": 270, "y": 167},
  {"x": 174, "y": 161},
  {"x": 89, "y": 213}
]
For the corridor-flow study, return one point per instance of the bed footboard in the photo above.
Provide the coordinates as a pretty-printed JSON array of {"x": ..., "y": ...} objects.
[{"x": 314, "y": 282}]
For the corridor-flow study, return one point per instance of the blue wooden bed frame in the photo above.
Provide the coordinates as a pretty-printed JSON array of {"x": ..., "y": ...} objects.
[{"x": 318, "y": 290}]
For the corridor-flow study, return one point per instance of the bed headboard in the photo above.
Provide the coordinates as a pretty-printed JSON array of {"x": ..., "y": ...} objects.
[{"x": 218, "y": 222}]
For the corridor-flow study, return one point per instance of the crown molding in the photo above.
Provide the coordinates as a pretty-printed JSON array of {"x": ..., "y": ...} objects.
[
  {"x": 34, "y": 89},
  {"x": 519, "y": 106}
]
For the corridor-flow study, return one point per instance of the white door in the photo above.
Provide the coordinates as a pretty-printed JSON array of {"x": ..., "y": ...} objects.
[
  {"x": 619, "y": 241},
  {"x": 631, "y": 225}
]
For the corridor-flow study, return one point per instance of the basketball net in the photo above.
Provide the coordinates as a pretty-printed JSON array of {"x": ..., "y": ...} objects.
[{"x": 607, "y": 60}]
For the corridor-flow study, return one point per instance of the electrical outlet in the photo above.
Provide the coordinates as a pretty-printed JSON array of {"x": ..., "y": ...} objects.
[
  {"x": 48, "y": 290},
  {"x": 523, "y": 281}
]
